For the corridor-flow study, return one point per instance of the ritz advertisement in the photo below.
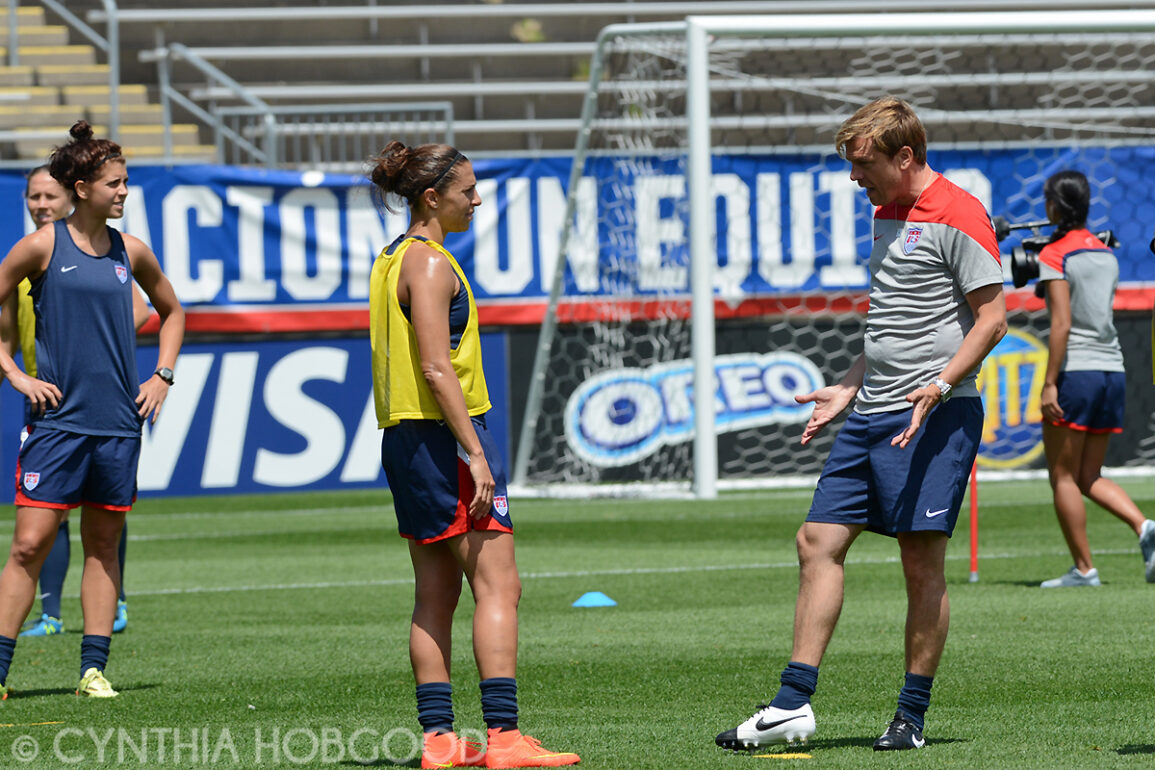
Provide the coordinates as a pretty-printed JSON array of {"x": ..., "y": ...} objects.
[{"x": 273, "y": 387}]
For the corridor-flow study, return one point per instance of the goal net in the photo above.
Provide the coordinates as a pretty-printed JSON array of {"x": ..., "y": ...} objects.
[{"x": 613, "y": 394}]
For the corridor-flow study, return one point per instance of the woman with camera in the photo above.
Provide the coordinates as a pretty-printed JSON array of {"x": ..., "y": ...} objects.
[{"x": 1083, "y": 391}]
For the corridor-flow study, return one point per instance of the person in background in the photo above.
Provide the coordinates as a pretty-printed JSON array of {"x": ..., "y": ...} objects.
[
  {"x": 1084, "y": 388},
  {"x": 47, "y": 202},
  {"x": 87, "y": 404},
  {"x": 444, "y": 471}
]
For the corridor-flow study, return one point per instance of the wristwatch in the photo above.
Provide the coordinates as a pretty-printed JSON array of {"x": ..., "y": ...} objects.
[
  {"x": 943, "y": 386},
  {"x": 166, "y": 374}
]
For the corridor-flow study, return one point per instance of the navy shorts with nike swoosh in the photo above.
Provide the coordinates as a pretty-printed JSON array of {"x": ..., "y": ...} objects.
[{"x": 889, "y": 490}]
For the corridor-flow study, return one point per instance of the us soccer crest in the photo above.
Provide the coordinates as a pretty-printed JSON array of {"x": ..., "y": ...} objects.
[
  {"x": 31, "y": 481},
  {"x": 911, "y": 240},
  {"x": 122, "y": 273}
]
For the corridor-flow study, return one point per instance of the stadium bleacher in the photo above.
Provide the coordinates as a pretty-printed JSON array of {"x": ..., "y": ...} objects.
[
  {"x": 513, "y": 74},
  {"x": 57, "y": 81}
]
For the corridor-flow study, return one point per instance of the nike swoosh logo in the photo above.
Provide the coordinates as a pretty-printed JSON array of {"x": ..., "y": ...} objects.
[
  {"x": 760, "y": 725},
  {"x": 931, "y": 514},
  {"x": 877, "y": 237},
  {"x": 69, "y": 268}
]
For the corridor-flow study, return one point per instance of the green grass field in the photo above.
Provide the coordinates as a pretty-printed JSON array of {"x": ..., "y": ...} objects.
[{"x": 271, "y": 631}]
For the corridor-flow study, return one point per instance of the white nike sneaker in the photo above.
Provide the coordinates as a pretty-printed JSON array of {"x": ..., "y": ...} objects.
[
  {"x": 1073, "y": 578},
  {"x": 770, "y": 725},
  {"x": 1147, "y": 546}
]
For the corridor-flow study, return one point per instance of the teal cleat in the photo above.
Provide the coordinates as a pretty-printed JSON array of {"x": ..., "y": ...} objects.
[
  {"x": 46, "y": 626},
  {"x": 121, "y": 621}
]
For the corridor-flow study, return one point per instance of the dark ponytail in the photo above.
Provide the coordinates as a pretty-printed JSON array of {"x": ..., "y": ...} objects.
[{"x": 1070, "y": 193}]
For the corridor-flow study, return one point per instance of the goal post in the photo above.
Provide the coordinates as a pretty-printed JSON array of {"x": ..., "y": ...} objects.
[{"x": 670, "y": 103}]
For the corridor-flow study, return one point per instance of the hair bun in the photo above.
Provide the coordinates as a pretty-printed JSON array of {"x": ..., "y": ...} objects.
[{"x": 81, "y": 131}]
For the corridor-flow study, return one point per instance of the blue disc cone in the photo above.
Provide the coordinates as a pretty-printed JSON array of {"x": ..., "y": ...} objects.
[{"x": 595, "y": 599}]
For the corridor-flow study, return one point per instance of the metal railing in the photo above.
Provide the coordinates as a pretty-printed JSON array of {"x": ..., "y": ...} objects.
[
  {"x": 333, "y": 137},
  {"x": 339, "y": 138},
  {"x": 621, "y": 9},
  {"x": 336, "y": 136}
]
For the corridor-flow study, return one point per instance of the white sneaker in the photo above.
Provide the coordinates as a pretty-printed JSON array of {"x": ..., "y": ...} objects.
[
  {"x": 1073, "y": 579},
  {"x": 770, "y": 725},
  {"x": 1147, "y": 546}
]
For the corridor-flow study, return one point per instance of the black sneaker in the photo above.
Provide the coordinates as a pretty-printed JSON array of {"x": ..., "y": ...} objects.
[{"x": 901, "y": 735}]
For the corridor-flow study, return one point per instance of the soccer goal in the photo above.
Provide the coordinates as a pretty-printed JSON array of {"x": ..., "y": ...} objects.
[{"x": 713, "y": 257}]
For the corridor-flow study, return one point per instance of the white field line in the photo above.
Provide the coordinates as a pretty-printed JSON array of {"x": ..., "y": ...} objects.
[
  {"x": 587, "y": 573},
  {"x": 353, "y": 509}
]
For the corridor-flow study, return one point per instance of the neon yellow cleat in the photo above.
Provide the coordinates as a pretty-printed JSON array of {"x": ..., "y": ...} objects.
[{"x": 94, "y": 685}]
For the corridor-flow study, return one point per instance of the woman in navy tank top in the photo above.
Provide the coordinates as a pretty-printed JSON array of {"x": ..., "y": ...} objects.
[{"x": 87, "y": 402}]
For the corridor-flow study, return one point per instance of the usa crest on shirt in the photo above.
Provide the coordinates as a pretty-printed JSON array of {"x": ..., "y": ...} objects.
[
  {"x": 122, "y": 273},
  {"x": 31, "y": 481},
  {"x": 911, "y": 240}
]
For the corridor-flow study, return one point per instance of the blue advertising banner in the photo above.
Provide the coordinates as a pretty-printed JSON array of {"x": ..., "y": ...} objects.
[{"x": 252, "y": 250}]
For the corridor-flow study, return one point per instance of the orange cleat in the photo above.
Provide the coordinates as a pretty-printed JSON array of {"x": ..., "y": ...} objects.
[
  {"x": 448, "y": 750},
  {"x": 509, "y": 748}
]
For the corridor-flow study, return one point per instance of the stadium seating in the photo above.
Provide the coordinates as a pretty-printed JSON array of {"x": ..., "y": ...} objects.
[
  {"x": 514, "y": 73},
  {"x": 59, "y": 81}
]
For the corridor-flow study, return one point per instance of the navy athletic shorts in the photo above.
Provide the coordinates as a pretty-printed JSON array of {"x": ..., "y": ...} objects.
[
  {"x": 1092, "y": 401},
  {"x": 889, "y": 490},
  {"x": 61, "y": 469},
  {"x": 430, "y": 480}
]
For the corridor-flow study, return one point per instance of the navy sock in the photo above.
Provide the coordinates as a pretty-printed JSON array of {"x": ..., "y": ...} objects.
[
  {"x": 7, "y": 648},
  {"x": 94, "y": 652},
  {"x": 499, "y": 702},
  {"x": 435, "y": 707},
  {"x": 120, "y": 557},
  {"x": 914, "y": 699},
  {"x": 54, "y": 571},
  {"x": 799, "y": 681}
]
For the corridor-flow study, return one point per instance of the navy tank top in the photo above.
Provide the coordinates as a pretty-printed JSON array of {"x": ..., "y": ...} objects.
[{"x": 85, "y": 339}]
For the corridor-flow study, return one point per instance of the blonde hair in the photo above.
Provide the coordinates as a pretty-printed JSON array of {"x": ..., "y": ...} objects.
[{"x": 889, "y": 123}]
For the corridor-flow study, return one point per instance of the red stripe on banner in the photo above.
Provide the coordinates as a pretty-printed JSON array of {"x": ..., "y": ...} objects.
[
  {"x": 281, "y": 320},
  {"x": 270, "y": 321},
  {"x": 1140, "y": 297}
]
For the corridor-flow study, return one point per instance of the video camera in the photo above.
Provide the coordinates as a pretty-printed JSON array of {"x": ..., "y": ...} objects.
[{"x": 1025, "y": 256}]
